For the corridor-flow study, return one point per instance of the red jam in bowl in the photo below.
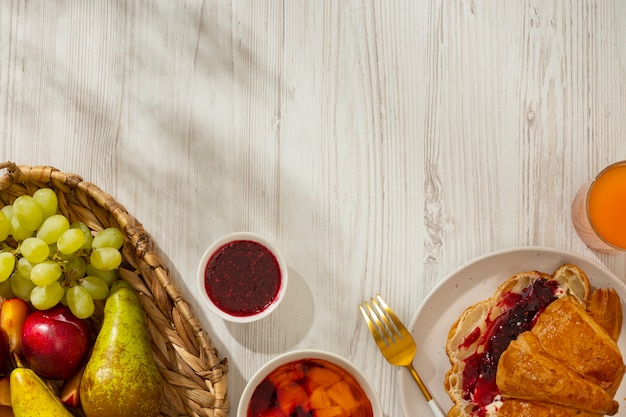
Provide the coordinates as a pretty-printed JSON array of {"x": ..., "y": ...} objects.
[
  {"x": 242, "y": 278},
  {"x": 519, "y": 314},
  {"x": 312, "y": 388}
]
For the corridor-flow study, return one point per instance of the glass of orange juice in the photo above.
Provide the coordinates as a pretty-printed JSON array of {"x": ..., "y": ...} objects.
[{"x": 599, "y": 210}]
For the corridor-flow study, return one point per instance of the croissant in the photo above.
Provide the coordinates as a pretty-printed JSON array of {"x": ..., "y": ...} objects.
[
  {"x": 520, "y": 408},
  {"x": 605, "y": 307},
  {"x": 569, "y": 334},
  {"x": 527, "y": 372}
]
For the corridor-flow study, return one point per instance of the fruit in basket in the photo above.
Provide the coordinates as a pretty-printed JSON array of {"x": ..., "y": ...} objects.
[
  {"x": 5, "y": 226},
  {"x": 111, "y": 237},
  {"x": 70, "y": 392},
  {"x": 106, "y": 259},
  {"x": 47, "y": 200},
  {"x": 85, "y": 201},
  {"x": 34, "y": 250},
  {"x": 4, "y": 351},
  {"x": 27, "y": 212},
  {"x": 70, "y": 241},
  {"x": 7, "y": 264},
  {"x": 18, "y": 287},
  {"x": 45, "y": 273},
  {"x": 13, "y": 313},
  {"x": 121, "y": 377},
  {"x": 55, "y": 342},
  {"x": 47, "y": 296},
  {"x": 80, "y": 301},
  {"x": 31, "y": 397},
  {"x": 52, "y": 228},
  {"x": 45, "y": 257},
  {"x": 5, "y": 391}
]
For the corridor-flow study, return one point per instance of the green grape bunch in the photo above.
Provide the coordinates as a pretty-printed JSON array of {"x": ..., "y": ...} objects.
[{"x": 45, "y": 259}]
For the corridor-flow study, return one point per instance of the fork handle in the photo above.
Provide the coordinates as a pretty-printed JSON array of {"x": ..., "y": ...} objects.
[
  {"x": 434, "y": 407},
  {"x": 432, "y": 403}
]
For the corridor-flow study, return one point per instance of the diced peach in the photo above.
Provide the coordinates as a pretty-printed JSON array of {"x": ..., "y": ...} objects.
[
  {"x": 290, "y": 396},
  {"x": 319, "y": 399},
  {"x": 341, "y": 394},
  {"x": 335, "y": 411},
  {"x": 321, "y": 377},
  {"x": 288, "y": 375}
]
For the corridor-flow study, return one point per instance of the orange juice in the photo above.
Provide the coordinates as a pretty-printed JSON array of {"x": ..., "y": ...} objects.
[{"x": 606, "y": 205}]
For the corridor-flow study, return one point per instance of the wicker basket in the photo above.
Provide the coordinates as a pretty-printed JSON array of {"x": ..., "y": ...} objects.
[{"x": 195, "y": 379}]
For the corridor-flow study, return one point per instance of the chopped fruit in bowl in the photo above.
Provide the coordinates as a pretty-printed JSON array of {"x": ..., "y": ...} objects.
[{"x": 311, "y": 383}]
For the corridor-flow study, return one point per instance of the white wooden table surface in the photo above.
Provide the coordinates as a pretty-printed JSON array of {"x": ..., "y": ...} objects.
[{"x": 379, "y": 145}]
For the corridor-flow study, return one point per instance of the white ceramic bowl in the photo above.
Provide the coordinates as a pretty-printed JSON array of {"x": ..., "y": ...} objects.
[
  {"x": 296, "y": 355},
  {"x": 222, "y": 243}
]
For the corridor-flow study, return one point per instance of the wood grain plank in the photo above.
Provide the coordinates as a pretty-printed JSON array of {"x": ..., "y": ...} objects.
[{"x": 380, "y": 145}]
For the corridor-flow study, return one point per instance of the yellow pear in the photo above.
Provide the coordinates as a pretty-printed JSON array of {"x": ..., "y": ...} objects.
[
  {"x": 121, "y": 378},
  {"x": 31, "y": 397}
]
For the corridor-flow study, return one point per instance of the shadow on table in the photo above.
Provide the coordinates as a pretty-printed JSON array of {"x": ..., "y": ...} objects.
[{"x": 285, "y": 327}]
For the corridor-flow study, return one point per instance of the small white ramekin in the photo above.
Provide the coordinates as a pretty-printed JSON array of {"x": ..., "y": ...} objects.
[{"x": 216, "y": 246}]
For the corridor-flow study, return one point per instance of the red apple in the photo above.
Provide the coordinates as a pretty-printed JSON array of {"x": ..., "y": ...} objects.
[{"x": 55, "y": 342}]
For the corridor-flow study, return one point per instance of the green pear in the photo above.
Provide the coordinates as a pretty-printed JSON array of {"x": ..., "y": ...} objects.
[
  {"x": 31, "y": 397},
  {"x": 121, "y": 378}
]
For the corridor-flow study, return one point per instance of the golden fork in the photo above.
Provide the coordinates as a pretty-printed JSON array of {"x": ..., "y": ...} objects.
[{"x": 395, "y": 342}]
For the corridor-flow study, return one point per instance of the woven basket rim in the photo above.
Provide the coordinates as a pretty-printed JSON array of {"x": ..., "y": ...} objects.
[{"x": 195, "y": 377}]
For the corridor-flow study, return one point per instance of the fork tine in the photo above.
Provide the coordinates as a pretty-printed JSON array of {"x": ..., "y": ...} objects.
[
  {"x": 400, "y": 327},
  {"x": 390, "y": 324},
  {"x": 374, "y": 328},
  {"x": 381, "y": 322},
  {"x": 378, "y": 338},
  {"x": 370, "y": 324}
]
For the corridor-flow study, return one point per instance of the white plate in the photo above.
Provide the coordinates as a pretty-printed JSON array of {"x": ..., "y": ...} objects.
[{"x": 469, "y": 284}]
